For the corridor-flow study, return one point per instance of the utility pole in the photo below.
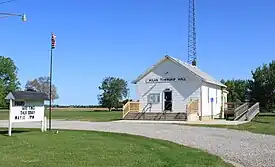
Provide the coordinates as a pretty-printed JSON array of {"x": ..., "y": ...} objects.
[{"x": 192, "y": 43}]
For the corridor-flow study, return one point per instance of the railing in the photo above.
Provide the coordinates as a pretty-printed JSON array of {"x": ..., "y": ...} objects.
[
  {"x": 168, "y": 107},
  {"x": 130, "y": 107},
  {"x": 252, "y": 111},
  {"x": 229, "y": 108},
  {"x": 147, "y": 107},
  {"x": 239, "y": 111},
  {"x": 232, "y": 105},
  {"x": 193, "y": 107}
]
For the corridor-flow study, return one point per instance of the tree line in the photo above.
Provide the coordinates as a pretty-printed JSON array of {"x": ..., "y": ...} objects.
[
  {"x": 260, "y": 88},
  {"x": 75, "y": 106}
]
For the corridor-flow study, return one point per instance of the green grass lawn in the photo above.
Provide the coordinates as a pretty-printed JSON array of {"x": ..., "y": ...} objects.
[
  {"x": 97, "y": 149},
  {"x": 96, "y": 116},
  {"x": 4, "y": 114},
  {"x": 263, "y": 123}
]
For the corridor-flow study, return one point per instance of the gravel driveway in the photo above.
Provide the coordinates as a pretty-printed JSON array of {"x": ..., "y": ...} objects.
[{"x": 248, "y": 149}]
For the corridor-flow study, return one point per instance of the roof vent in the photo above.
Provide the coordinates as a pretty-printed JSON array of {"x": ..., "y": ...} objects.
[{"x": 194, "y": 63}]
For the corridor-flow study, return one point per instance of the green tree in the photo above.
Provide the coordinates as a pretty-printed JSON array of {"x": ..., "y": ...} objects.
[
  {"x": 237, "y": 89},
  {"x": 8, "y": 79},
  {"x": 114, "y": 90},
  {"x": 263, "y": 86},
  {"x": 42, "y": 84},
  {"x": 2, "y": 94}
]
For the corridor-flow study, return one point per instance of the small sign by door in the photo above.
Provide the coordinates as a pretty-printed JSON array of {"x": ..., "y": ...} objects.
[{"x": 212, "y": 99}]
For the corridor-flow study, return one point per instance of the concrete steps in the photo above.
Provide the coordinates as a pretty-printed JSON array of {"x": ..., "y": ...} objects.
[{"x": 156, "y": 116}]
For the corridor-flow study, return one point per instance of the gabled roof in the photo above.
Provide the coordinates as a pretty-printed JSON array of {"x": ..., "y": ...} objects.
[
  {"x": 27, "y": 95},
  {"x": 193, "y": 69}
]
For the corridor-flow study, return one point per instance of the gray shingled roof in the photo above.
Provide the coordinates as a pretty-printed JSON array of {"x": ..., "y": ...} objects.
[
  {"x": 195, "y": 70},
  {"x": 27, "y": 95}
]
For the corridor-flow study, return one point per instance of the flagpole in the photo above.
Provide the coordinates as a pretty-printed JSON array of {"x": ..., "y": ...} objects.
[
  {"x": 53, "y": 43},
  {"x": 50, "y": 112}
]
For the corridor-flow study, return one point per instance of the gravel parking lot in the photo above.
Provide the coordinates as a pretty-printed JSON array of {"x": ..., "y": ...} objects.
[{"x": 245, "y": 148}]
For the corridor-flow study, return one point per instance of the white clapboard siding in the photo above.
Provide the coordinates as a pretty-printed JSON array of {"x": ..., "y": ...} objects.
[
  {"x": 206, "y": 99},
  {"x": 198, "y": 86},
  {"x": 182, "y": 92}
]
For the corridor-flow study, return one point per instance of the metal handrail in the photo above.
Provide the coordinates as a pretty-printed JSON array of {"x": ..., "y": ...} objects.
[
  {"x": 143, "y": 110},
  {"x": 169, "y": 105}
]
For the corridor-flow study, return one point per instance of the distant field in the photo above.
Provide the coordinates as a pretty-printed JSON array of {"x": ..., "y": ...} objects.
[
  {"x": 82, "y": 109},
  {"x": 82, "y": 114}
]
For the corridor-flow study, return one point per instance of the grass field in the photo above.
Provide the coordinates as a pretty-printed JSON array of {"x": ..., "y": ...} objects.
[
  {"x": 4, "y": 114},
  {"x": 97, "y": 149},
  {"x": 86, "y": 115},
  {"x": 264, "y": 123},
  {"x": 84, "y": 109}
]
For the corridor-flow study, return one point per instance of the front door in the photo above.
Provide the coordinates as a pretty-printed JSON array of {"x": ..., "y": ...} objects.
[{"x": 168, "y": 100}]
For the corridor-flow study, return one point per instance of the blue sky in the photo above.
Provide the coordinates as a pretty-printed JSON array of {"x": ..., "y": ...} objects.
[{"x": 122, "y": 38}]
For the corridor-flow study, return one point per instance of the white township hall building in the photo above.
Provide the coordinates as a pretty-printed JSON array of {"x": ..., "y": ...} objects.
[{"x": 175, "y": 90}]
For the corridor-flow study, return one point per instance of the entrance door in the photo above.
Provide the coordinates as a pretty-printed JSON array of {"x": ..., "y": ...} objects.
[{"x": 168, "y": 100}]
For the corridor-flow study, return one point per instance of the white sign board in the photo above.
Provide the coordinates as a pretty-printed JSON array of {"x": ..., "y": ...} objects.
[{"x": 27, "y": 113}]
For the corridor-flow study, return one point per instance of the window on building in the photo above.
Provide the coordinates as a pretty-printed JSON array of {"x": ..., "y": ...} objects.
[
  {"x": 19, "y": 103},
  {"x": 153, "y": 98}
]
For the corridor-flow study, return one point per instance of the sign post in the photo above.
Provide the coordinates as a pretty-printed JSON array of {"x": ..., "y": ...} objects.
[
  {"x": 10, "y": 123},
  {"x": 212, "y": 100}
]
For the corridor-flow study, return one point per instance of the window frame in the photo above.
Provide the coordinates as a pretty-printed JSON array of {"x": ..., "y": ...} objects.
[{"x": 156, "y": 99}]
